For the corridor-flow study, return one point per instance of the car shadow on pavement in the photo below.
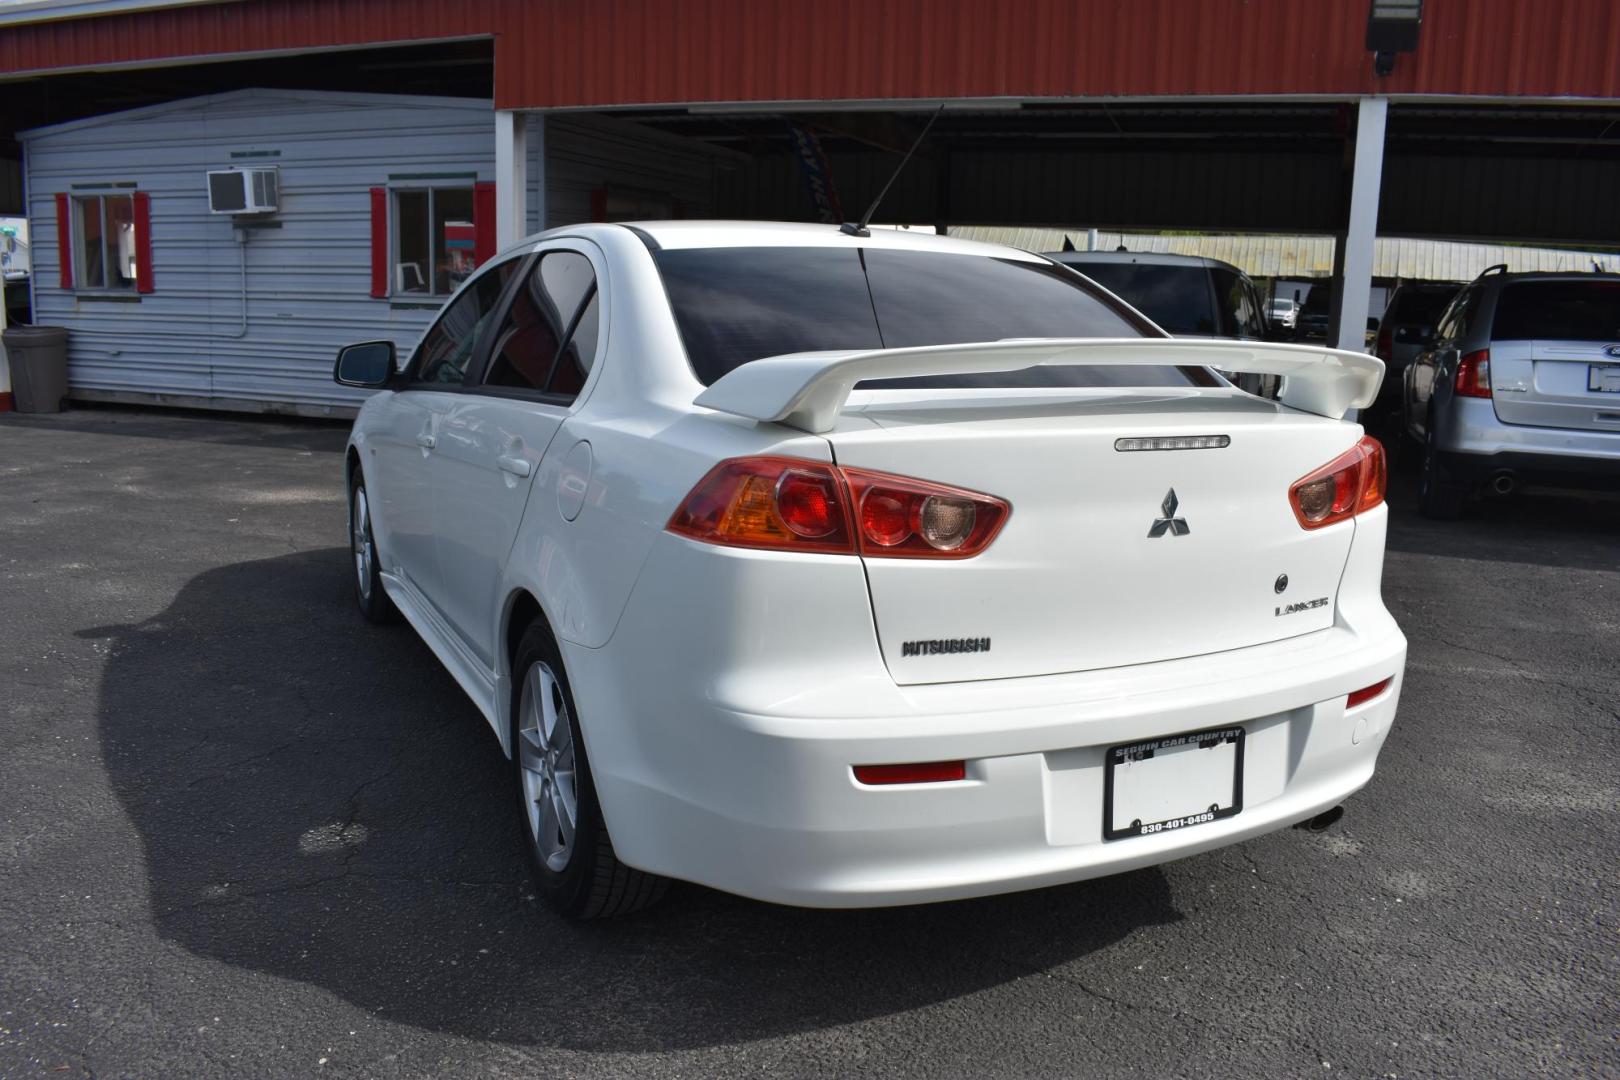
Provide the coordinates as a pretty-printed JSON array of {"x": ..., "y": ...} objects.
[{"x": 318, "y": 801}]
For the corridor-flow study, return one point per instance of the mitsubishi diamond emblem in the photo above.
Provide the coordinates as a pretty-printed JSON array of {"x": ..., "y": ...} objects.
[{"x": 1169, "y": 522}]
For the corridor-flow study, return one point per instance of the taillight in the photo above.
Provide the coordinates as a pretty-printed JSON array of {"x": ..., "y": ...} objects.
[
  {"x": 1344, "y": 487},
  {"x": 1474, "y": 374},
  {"x": 791, "y": 505},
  {"x": 1385, "y": 349}
]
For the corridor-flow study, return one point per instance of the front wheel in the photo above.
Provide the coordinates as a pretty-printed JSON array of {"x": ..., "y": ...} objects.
[
  {"x": 368, "y": 588},
  {"x": 570, "y": 852}
]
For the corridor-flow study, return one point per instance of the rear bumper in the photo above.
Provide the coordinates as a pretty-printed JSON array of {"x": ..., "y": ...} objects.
[
  {"x": 740, "y": 778},
  {"x": 1474, "y": 446}
]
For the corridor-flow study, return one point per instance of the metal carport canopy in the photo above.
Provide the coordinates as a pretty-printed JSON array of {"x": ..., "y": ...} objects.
[{"x": 646, "y": 52}]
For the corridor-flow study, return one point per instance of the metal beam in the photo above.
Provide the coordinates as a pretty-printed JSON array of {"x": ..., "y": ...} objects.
[
  {"x": 1362, "y": 229},
  {"x": 511, "y": 177}
]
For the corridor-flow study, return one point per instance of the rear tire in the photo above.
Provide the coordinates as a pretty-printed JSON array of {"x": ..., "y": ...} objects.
[
  {"x": 369, "y": 594},
  {"x": 569, "y": 850},
  {"x": 1438, "y": 497}
]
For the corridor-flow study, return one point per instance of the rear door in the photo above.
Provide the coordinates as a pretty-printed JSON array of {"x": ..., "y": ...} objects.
[
  {"x": 1555, "y": 353},
  {"x": 493, "y": 436}
]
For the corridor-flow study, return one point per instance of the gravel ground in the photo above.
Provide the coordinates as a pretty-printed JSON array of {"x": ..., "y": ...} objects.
[{"x": 243, "y": 833}]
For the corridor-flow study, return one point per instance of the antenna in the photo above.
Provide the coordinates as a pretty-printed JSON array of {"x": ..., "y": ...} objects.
[{"x": 866, "y": 218}]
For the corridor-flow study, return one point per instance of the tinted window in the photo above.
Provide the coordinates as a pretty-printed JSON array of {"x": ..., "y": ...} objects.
[
  {"x": 1419, "y": 306},
  {"x": 1454, "y": 323},
  {"x": 1175, "y": 297},
  {"x": 1559, "y": 310},
  {"x": 736, "y": 305},
  {"x": 1240, "y": 314},
  {"x": 536, "y": 330},
  {"x": 442, "y": 357}
]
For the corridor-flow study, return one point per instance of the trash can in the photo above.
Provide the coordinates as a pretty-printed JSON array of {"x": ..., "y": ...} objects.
[{"x": 38, "y": 360}]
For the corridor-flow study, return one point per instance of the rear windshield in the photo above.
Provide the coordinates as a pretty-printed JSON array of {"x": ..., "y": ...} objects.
[
  {"x": 1175, "y": 297},
  {"x": 737, "y": 305},
  {"x": 1559, "y": 311}
]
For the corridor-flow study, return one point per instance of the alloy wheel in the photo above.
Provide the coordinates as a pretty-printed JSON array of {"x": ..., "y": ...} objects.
[{"x": 546, "y": 760}]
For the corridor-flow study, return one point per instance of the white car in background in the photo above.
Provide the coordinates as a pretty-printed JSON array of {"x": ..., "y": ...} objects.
[{"x": 845, "y": 570}]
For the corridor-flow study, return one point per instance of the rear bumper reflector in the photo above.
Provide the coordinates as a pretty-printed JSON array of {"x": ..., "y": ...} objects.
[
  {"x": 1366, "y": 694},
  {"x": 927, "y": 772}
]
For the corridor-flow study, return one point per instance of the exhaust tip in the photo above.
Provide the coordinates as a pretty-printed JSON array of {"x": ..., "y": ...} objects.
[
  {"x": 1322, "y": 821},
  {"x": 1504, "y": 482}
]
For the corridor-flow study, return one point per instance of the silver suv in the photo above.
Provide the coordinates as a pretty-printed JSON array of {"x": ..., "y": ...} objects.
[{"x": 1519, "y": 383}]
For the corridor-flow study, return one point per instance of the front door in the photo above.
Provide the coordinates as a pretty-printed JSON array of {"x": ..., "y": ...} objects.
[{"x": 492, "y": 438}]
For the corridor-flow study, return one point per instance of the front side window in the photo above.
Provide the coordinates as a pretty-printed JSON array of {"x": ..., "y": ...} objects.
[
  {"x": 442, "y": 357},
  {"x": 737, "y": 305},
  {"x": 434, "y": 240},
  {"x": 104, "y": 230},
  {"x": 548, "y": 340}
]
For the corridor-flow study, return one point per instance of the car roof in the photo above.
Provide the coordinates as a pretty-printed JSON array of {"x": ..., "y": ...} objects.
[
  {"x": 1551, "y": 275},
  {"x": 675, "y": 235},
  {"x": 1144, "y": 258}
]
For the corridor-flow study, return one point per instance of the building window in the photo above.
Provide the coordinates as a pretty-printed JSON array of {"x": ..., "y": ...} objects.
[
  {"x": 434, "y": 240},
  {"x": 104, "y": 226}
]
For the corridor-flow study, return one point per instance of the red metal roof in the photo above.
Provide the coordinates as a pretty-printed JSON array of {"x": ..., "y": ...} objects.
[{"x": 628, "y": 52}]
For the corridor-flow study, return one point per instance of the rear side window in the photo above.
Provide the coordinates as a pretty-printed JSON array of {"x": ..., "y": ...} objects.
[
  {"x": 737, "y": 305},
  {"x": 1175, "y": 297},
  {"x": 1240, "y": 311},
  {"x": 1418, "y": 306},
  {"x": 1558, "y": 310},
  {"x": 550, "y": 325}
]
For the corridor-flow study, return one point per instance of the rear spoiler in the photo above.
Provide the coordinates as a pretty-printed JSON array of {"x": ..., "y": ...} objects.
[{"x": 807, "y": 390}]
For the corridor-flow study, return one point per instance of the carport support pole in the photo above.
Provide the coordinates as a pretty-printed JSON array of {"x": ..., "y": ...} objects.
[
  {"x": 1367, "y": 174},
  {"x": 511, "y": 177}
]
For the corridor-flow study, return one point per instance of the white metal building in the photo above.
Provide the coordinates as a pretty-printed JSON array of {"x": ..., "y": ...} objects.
[{"x": 384, "y": 204}]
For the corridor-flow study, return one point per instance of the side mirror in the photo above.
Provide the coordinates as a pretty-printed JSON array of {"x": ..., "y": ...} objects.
[{"x": 368, "y": 365}]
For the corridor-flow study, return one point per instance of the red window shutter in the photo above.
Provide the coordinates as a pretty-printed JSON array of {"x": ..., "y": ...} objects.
[
  {"x": 64, "y": 239},
  {"x": 141, "y": 205},
  {"x": 483, "y": 222},
  {"x": 379, "y": 241}
]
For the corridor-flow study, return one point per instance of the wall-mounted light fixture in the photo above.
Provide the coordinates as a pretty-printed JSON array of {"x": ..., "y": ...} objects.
[{"x": 1392, "y": 27}]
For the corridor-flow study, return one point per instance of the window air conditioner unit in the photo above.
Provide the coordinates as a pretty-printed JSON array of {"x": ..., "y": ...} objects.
[{"x": 243, "y": 191}]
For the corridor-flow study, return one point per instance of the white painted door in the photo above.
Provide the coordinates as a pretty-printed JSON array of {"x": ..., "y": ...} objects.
[{"x": 492, "y": 439}]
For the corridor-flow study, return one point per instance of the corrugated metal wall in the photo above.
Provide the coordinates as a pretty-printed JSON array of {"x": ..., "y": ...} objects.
[
  {"x": 585, "y": 153},
  {"x": 308, "y": 277},
  {"x": 629, "y": 52}
]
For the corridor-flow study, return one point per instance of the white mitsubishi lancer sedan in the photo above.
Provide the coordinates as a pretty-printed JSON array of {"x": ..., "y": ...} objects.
[{"x": 845, "y": 570}]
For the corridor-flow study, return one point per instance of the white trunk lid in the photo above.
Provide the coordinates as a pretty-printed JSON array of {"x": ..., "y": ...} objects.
[{"x": 1075, "y": 581}]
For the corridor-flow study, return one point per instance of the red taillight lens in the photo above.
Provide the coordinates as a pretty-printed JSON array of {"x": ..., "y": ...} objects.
[
  {"x": 1352, "y": 482},
  {"x": 768, "y": 502},
  {"x": 928, "y": 772},
  {"x": 793, "y": 505},
  {"x": 1385, "y": 349},
  {"x": 1366, "y": 694},
  {"x": 903, "y": 518},
  {"x": 1474, "y": 374}
]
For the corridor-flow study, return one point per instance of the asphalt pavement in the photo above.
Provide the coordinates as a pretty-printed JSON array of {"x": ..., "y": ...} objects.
[{"x": 243, "y": 833}]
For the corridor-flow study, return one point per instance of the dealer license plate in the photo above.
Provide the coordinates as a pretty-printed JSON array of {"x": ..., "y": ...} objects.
[
  {"x": 1603, "y": 377},
  {"x": 1176, "y": 782}
]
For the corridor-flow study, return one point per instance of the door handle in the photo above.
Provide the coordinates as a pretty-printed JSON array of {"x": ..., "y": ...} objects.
[
  {"x": 517, "y": 466},
  {"x": 426, "y": 441}
]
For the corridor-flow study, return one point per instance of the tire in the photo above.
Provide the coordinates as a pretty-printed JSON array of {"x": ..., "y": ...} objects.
[
  {"x": 369, "y": 594},
  {"x": 1438, "y": 498},
  {"x": 578, "y": 874}
]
